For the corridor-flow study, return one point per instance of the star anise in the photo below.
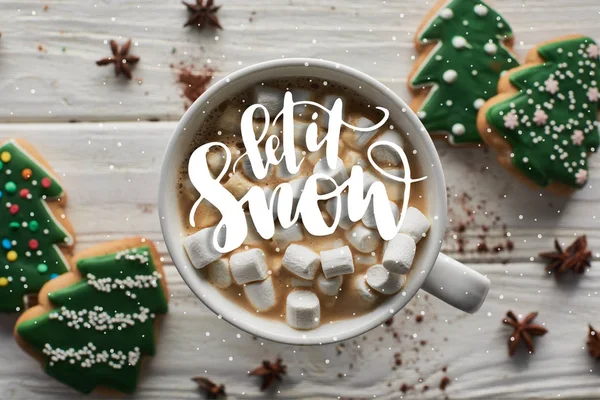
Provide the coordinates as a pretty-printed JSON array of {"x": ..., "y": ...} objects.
[
  {"x": 524, "y": 330},
  {"x": 120, "y": 58},
  {"x": 576, "y": 257},
  {"x": 210, "y": 389},
  {"x": 269, "y": 372},
  {"x": 593, "y": 343},
  {"x": 203, "y": 14}
]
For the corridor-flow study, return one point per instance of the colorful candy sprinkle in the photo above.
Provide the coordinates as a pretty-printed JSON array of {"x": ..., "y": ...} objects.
[
  {"x": 33, "y": 226},
  {"x": 33, "y": 244},
  {"x": 11, "y": 255},
  {"x": 23, "y": 193},
  {"x": 42, "y": 268},
  {"x": 26, "y": 173},
  {"x": 10, "y": 187},
  {"x": 5, "y": 156},
  {"x": 13, "y": 209},
  {"x": 6, "y": 244},
  {"x": 14, "y": 226},
  {"x": 46, "y": 182},
  {"x": 3, "y": 281},
  {"x": 52, "y": 276}
]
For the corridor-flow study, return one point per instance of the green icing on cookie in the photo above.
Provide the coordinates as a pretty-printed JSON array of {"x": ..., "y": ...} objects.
[
  {"x": 102, "y": 325},
  {"x": 29, "y": 232},
  {"x": 464, "y": 67},
  {"x": 551, "y": 122}
]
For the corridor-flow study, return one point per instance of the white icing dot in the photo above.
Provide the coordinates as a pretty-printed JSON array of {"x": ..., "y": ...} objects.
[
  {"x": 450, "y": 76},
  {"x": 478, "y": 103},
  {"x": 421, "y": 114},
  {"x": 446, "y": 13},
  {"x": 490, "y": 48},
  {"x": 459, "y": 42},
  {"x": 480, "y": 10},
  {"x": 458, "y": 129}
]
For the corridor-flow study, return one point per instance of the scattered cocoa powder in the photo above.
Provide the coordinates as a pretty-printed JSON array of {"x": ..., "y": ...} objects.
[{"x": 193, "y": 83}]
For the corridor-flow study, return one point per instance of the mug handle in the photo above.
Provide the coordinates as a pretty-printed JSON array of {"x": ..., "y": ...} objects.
[{"x": 456, "y": 284}]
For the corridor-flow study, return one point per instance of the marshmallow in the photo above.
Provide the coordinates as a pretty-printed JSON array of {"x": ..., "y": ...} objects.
[
  {"x": 368, "y": 180},
  {"x": 399, "y": 254},
  {"x": 297, "y": 282},
  {"x": 270, "y": 98},
  {"x": 369, "y": 217},
  {"x": 189, "y": 190},
  {"x": 415, "y": 224},
  {"x": 331, "y": 207},
  {"x": 281, "y": 169},
  {"x": 385, "y": 155},
  {"x": 336, "y": 262},
  {"x": 394, "y": 189},
  {"x": 362, "y": 260},
  {"x": 301, "y": 261},
  {"x": 248, "y": 266},
  {"x": 261, "y": 295},
  {"x": 238, "y": 185},
  {"x": 358, "y": 139},
  {"x": 218, "y": 273},
  {"x": 302, "y": 310},
  {"x": 216, "y": 161},
  {"x": 384, "y": 281},
  {"x": 284, "y": 236},
  {"x": 363, "y": 290},
  {"x": 338, "y": 174},
  {"x": 253, "y": 238},
  {"x": 329, "y": 287},
  {"x": 352, "y": 158},
  {"x": 300, "y": 128},
  {"x": 249, "y": 172},
  {"x": 328, "y": 102},
  {"x": 363, "y": 239},
  {"x": 268, "y": 194},
  {"x": 199, "y": 247},
  {"x": 230, "y": 121},
  {"x": 314, "y": 157},
  {"x": 301, "y": 95}
]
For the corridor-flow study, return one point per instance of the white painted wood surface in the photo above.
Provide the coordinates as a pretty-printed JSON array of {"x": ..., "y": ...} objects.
[{"x": 110, "y": 164}]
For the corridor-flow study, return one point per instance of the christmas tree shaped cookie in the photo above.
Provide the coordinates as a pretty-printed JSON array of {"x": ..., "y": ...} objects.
[
  {"x": 94, "y": 325},
  {"x": 35, "y": 236},
  {"x": 543, "y": 121},
  {"x": 465, "y": 47}
]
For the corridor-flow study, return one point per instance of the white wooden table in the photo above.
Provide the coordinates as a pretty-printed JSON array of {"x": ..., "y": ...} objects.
[{"x": 109, "y": 162}]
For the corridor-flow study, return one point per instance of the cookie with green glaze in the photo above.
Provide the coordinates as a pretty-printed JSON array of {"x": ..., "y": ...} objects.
[
  {"x": 464, "y": 46},
  {"x": 36, "y": 238},
  {"x": 93, "y": 326},
  {"x": 543, "y": 122}
]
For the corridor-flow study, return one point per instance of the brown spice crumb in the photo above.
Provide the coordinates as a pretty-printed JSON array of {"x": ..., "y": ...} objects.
[
  {"x": 389, "y": 321},
  {"x": 46, "y": 7},
  {"x": 405, "y": 388},
  {"x": 444, "y": 383},
  {"x": 419, "y": 318}
]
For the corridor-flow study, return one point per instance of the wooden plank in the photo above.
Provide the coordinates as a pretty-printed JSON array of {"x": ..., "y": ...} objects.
[
  {"x": 111, "y": 172},
  {"x": 194, "y": 342},
  {"x": 51, "y": 75}
]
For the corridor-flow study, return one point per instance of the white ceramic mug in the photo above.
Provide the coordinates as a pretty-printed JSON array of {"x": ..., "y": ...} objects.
[{"x": 443, "y": 277}]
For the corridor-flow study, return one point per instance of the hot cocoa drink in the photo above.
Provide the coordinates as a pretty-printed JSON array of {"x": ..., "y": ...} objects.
[{"x": 303, "y": 202}]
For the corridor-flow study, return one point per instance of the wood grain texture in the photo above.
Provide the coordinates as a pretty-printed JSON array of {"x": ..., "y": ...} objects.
[
  {"x": 110, "y": 165},
  {"x": 52, "y": 53}
]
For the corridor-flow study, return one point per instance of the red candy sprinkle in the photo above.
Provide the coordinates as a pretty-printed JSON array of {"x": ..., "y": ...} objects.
[
  {"x": 46, "y": 182},
  {"x": 33, "y": 244},
  {"x": 14, "y": 209},
  {"x": 24, "y": 193}
]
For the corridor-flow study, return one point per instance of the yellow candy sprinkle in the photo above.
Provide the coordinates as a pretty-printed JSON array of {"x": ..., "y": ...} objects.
[
  {"x": 5, "y": 156},
  {"x": 3, "y": 282},
  {"x": 11, "y": 255}
]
